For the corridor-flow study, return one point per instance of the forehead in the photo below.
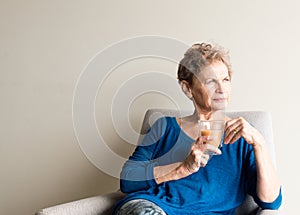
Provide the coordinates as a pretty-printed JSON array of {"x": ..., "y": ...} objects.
[{"x": 217, "y": 69}]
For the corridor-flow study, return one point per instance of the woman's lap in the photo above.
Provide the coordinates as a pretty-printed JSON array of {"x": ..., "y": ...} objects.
[{"x": 140, "y": 207}]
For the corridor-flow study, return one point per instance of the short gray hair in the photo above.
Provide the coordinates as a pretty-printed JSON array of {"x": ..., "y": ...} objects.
[{"x": 199, "y": 56}]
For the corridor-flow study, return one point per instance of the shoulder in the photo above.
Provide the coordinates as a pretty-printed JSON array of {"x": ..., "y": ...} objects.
[
  {"x": 161, "y": 125},
  {"x": 164, "y": 121}
]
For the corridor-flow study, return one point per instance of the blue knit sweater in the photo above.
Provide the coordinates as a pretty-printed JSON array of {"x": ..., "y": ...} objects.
[{"x": 218, "y": 188}]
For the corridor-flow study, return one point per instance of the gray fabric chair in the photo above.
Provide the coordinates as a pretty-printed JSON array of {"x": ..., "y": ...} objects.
[{"x": 103, "y": 204}]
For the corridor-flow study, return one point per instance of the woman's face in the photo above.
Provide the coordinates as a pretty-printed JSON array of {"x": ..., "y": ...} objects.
[{"x": 212, "y": 87}]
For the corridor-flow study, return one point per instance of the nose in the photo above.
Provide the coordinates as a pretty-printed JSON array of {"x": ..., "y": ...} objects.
[{"x": 220, "y": 87}]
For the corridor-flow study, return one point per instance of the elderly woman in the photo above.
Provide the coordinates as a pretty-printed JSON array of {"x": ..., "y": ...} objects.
[{"x": 171, "y": 172}]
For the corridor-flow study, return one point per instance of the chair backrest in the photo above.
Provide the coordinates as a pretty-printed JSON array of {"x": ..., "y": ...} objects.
[{"x": 261, "y": 120}]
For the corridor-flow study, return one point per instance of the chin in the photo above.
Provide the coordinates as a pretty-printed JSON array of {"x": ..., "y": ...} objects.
[{"x": 219, "y": 107}]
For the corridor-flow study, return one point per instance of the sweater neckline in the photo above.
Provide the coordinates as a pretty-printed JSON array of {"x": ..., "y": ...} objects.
[{"x": 175, "y": 123}]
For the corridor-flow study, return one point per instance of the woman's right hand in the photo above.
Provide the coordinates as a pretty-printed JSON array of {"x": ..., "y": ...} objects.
[
  {"x": 199, "y": 155},
  {"x": 197, "y": 158}
]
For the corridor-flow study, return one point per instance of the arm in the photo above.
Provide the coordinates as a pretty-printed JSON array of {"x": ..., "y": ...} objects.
[
  {"x": 142, "y": 170},
  {"x": 137, "y": 172},
  {"x": 137, "y": 176},
  {"x": 268, "y": 184},
  {"x": 196, "y": 159},
  {"x": 267, "y": 181}
]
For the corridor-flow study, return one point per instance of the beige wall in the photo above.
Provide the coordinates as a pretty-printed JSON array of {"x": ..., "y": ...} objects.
[{"x": 46, "y": 44}]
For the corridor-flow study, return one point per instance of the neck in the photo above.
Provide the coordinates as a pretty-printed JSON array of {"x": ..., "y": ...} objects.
[
  {"x": 201, "y": 114},
  {"x": 208, "y": 115},
  {"x": 198, "y": 116}
]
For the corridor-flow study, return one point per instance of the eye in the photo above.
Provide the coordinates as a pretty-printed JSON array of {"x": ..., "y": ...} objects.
[
  {"x": 227, "y": 79},
  {"x": 209, "y": 81}
]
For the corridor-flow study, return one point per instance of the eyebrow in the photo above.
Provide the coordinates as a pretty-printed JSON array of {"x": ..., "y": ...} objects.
[{"x": 227, "y": 76}]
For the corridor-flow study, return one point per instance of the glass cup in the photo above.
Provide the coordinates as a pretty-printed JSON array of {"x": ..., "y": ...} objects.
[{"x": 213, "y": 130}]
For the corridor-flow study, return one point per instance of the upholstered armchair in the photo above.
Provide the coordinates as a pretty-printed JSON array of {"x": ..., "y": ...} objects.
[{"x": 103, "y": 204}]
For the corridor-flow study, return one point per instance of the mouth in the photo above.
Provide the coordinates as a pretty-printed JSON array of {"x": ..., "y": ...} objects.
[{"x": 220, "y": 100}]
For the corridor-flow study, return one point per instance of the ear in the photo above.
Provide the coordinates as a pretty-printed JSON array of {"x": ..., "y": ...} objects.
[{"x": 186, "y": 89}]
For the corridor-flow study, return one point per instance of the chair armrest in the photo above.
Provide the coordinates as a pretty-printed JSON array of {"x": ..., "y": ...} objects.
[
  {"x": 97, "y": 205},
  {"x": 268, "y": 212}
]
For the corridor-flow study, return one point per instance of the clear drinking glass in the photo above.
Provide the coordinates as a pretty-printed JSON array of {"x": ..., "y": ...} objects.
[{"x": 214, "y": 131}]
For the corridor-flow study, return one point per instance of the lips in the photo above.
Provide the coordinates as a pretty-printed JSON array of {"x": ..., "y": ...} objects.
[{"x": 220, "y": 99}]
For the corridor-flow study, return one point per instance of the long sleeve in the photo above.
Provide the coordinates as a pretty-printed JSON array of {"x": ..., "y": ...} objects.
[
  {"x": 137, "y": 173},
  {"x": 251, "y": 182}
]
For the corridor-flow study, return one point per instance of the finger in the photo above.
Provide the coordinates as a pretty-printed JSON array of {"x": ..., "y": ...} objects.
[
  {"x": 233, "y": 123},
  {"x": 201, "y": 140},
  {"x": 233, "y": 135},
  {"x": 231, "y": 131},
  {"x": 203, "y": 162},
  {"x": 229, "y": 136},
  {"x": 230, "y": 123},
  {"x": 205, "y": 157},
  {"x": 231, "y": 128}
]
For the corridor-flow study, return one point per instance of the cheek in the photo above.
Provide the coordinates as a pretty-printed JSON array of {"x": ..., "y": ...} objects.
[
  {"x": 202, "y": 98},
  {"x": 210, "y": 92},
  {"x": 200, "y": 92},
  {"x": 227, "y": 89}
]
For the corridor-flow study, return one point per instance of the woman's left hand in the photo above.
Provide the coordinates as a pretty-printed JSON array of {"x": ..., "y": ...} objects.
[{"x": 239, "y": 127}]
